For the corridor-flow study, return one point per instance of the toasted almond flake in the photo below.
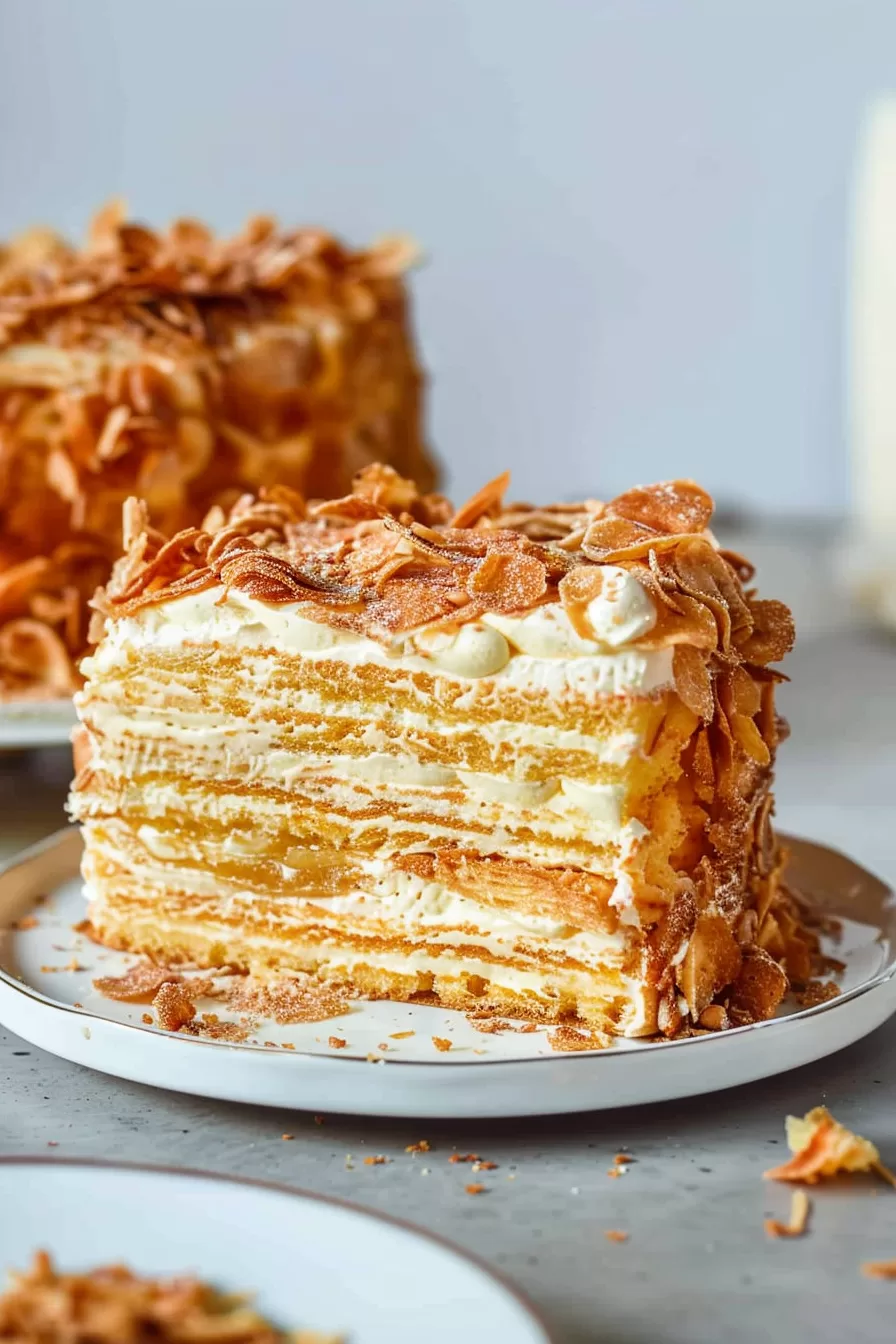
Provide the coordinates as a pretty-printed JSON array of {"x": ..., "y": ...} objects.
[
  {"x": 879, "y": 1269},
  {"x": 464, "y": 1157},
  {"x": 475, "y": 1188},
  {"x": 822, "y": 1147},
  {"x": 147, "y": 1018},
  {"x": 287, "y": 1138},
  {"x": 401, "y": 1035},
  {"x": 799, "y": 1218},
  {"x": 421, "y": 1147},
  {"x": 337, "y": 1042},
  {"x": 376, "y": 1161},
  {"x": 110, "y": 1305},
  {"x": 441, "y": 1043},
  {"x": 139, "y": 984},
  {"x": 613, "y": 1234}
]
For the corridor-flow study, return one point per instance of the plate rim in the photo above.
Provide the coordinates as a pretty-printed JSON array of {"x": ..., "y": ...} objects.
[
  {"x": 497, "y": 1276},
  {"x": 287, "y": 1058}
]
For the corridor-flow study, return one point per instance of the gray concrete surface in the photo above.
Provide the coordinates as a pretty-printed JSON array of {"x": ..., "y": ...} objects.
[{"x": 697, "y": 1268}]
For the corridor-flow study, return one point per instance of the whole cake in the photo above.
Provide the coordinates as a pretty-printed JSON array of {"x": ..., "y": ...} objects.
[
  {"x": 184, "y": 369},
  {"x": 515, "y": 760}
]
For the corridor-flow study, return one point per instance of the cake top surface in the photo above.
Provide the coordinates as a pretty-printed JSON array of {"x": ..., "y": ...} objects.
[
  {"x": 182, "y": 287},
  {"x": 386, "y": 560}
]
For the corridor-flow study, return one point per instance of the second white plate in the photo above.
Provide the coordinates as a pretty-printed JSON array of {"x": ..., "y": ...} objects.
[
  {"x": 311, "y": 1262},
  {"x": 503, "y": 1075}
]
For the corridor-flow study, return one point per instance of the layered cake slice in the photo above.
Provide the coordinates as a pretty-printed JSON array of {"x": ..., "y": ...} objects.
[
  {"x": 185, "y": 369},
  {"x": 514, "y": 759}
]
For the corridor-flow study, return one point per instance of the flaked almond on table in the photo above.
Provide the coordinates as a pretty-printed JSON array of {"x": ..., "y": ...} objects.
[{"x": 822, "y": 1147}]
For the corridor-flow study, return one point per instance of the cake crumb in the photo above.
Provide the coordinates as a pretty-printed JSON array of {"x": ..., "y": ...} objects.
[
  {"x": 421, "y": 1147},
  {"x": 174, "y": 1006},
  {"x": 464, "y": 1157},
  {"x": 568, "y": 1038},
  {"x": 475, "y": 1188},
  {"x": 496, "y": 1026},
  {"x": 147, "y": 1018},
  {"x": 441, "y": 1043},
  {"x": 378, "y": 1160},
  {"x": 337, "y": 1042},
  {"x": 614, "y": 1234},
  {"x": 401, "y": 1035},
  {"x": 210, "y": 1028},
  {"x": 289, "y": 1000},
  {"x": 484, "y": 1166},
  {"x": 816, "y": 992},
  {"x": 287, "y": 1138}
]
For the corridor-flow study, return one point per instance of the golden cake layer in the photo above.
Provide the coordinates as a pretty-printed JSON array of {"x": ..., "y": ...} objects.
[
  {"x": 519, "y": 759},
  {"x": 184, "y": 369}
]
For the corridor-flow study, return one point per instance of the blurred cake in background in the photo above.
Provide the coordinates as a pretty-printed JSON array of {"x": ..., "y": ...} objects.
[{"x": 187, "y": 370}]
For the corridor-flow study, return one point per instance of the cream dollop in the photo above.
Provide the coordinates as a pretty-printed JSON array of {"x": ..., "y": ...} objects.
[
  {"x": 545, "y": 632},
  {"x": 623, "y": 610},
  {"x": 473, "y": 651}
]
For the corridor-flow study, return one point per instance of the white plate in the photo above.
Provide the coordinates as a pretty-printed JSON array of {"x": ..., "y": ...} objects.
[
  {"x": 312, "y": 1262},
  {"x": 36, "y": 723},
  {"x": 510, "y": 1074}
]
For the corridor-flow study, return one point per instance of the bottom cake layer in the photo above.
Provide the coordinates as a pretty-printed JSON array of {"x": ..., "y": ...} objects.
[{"x": 464, "y": 955}]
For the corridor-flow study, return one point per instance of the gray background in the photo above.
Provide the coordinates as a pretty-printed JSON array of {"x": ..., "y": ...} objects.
[{"x": 636, "y": 210}]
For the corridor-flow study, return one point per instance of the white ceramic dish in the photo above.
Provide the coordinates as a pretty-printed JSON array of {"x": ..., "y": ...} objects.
[
  {"x": 509, "y": 1074},
  {"x": 36, "y": 723},
  {"x": 313, "y": 1263}
]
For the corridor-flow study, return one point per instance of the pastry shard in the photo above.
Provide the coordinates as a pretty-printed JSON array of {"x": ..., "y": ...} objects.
[
  {"x": 185, "y": 369},
  {"x": 515, "y": 760}
]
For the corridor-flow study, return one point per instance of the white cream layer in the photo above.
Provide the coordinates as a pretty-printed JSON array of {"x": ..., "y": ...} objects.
[
  {"x": 537, "y": 651},
  {"x": 452, "y": 925},
  {"x": 558, "y": 832}
]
